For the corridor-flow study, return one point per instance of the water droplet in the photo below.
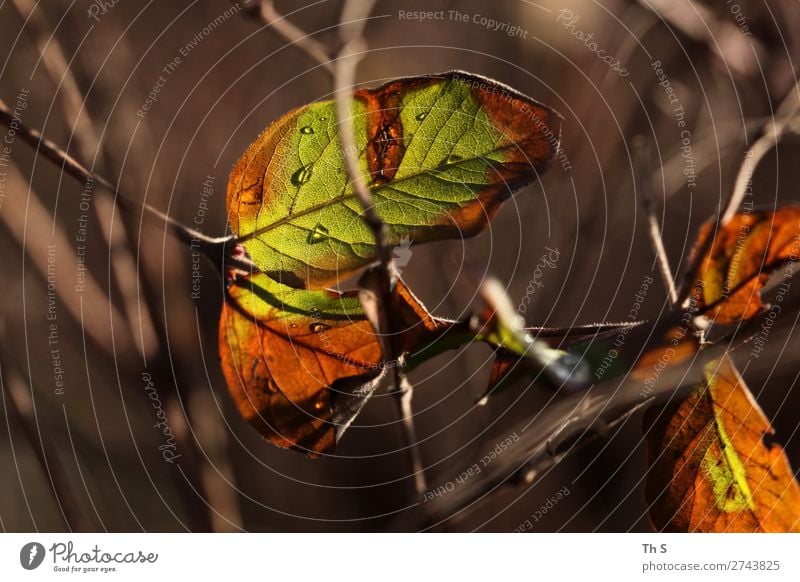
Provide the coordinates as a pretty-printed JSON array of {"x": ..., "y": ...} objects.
[
  {"x": 320, "y": 403},
  {"x": 323, "y": 118},
  {"x": 483, "y": 401},
  {"x": 318, "y": 327},
  {"x": 319, "y": 234},
  {"x": 303, "y": 175},
  {"x": 421, "y": 116},
  {"x": 306, "y": 130}
]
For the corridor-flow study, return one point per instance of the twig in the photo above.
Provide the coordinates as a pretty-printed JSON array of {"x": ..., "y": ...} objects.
[
  {"x": 351, "y": 26},
  {"x": 265, "y": 10},
  {"x": 643, "y": 169},
  {"x": 83, "y": 131},
  {"x": 589, "y": 329},
  {"x": 572, "y": 418},
  {"x": 709, "y": 145},
  {"x": 214, "y": 248},
  {"x": 773, "y": 131}
]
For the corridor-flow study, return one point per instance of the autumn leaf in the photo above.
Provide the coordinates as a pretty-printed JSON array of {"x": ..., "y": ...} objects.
[
  {"x": 712, "y": 470},
  {"x": 743, "y": 254},
  {"x": 440, "y": 154},
  {"x": 300, "y": 364}
]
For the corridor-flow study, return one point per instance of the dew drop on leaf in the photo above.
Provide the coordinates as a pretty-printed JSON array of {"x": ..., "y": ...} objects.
[
  {"x": 319, "y": 234},
  {"x": 421, "y": 116},
  {"x": 306, "y": 130},
  {"x": 303, "y": 175},
  {"x": 318, "y": 327}
]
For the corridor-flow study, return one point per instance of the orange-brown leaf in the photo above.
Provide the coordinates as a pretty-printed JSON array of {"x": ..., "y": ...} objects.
[
  {"x": 712, "y": 470},
  {"x": 300, "y": 364},
  {"x": 742, "y": 255}
]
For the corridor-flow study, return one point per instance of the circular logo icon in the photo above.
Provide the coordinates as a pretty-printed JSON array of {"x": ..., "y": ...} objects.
[{"x": 31, "y": 555}]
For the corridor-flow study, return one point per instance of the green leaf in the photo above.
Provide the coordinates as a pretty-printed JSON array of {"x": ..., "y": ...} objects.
[{"x": 440, "y": 154}]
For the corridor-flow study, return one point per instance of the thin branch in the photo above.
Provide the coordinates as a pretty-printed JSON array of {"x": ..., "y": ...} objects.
[
  {"x": 773, "y": 131},
  {"x": 351, "y": 26},
  {"x": 404, "y": 393},
  {"x": 643, "y": 169},
  {"x": 89, "y": 147},
  {"x": 588, "y": 329},
  {"x": 293, "y": 34},
  {"x": 574, "y": 418},
  {"x": 214, "y": 248}
]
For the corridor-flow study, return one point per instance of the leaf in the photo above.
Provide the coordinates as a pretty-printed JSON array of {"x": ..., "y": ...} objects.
[
  {"x": 740, "y": 259},
  {"x": 440, "y": 154},
  {"x": 712, "y": 470},
  {"x": 300, "y": 364}
]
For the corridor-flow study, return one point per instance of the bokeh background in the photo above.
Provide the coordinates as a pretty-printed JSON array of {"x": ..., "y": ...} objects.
[{"x": 83, "y": 71}]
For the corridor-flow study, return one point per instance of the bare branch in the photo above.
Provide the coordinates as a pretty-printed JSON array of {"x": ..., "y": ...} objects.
[
  {"x": 573, "y": 419},
  {"x": 774, "y": 128},
  {"x": 644, "y": 172},
  {"x": 589, "y": 329},
  {"x": 293, "y": 34},
  {"x": 351, "y": 26},
  {"x": 89, "y": 148},
  {"x": 773, "y": 131},
  {"x": 726, "y": 41},
  {"x": 214, "y": 248}
]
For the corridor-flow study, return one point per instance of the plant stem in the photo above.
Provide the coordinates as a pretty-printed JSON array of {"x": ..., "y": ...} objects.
[
  {"x": 215, "y": 249},
  {"x": 644, "y": 173},
  {"x": 351, "y": 25}
]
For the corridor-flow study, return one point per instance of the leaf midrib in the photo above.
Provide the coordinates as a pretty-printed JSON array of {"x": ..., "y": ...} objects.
[{"x": 343, "y": 197}]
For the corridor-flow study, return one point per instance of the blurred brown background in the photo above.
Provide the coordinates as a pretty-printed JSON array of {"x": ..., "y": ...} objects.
[{"x": 728, "y": 64}]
